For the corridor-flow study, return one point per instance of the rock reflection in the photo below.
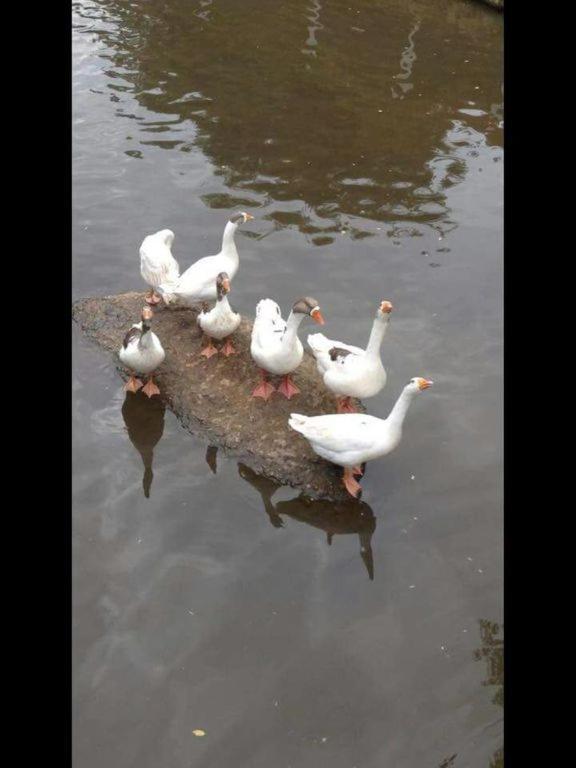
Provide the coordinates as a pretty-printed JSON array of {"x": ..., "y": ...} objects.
[
  {"x": 492, "y": 651},
  {"x": 335, "y": 518},
  {"x": 144, "y": 420}
]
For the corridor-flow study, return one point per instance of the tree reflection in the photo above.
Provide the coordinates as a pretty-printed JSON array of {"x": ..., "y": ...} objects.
[{"x": 340, "y": 133}]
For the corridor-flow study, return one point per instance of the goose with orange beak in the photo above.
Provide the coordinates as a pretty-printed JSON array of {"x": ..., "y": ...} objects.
[
  {"x": 275, "y": 346},
  {"x": 221, "y": 321},
  {"x": 351, "y": 439},
  {"x": 351, "y": 372},
  {"x": 141, "y": 352}
]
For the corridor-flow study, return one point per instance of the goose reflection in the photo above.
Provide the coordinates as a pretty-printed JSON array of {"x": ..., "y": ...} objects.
[
  {"x": 334, "y": 517},
  {"x": 144, "y": 419}
]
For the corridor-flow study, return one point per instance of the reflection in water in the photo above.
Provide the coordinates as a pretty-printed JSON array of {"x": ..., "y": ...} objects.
[
  {"x": 323, "y": 142},
  {"x": 315, "y": 25},
  {"x": 492, "y": 650},
  {"x": 211, "y": 454},
  {"x": 340, "y": 518},
  {"x": 400, "y": 89},
  {"x": 144, "y": 419}
]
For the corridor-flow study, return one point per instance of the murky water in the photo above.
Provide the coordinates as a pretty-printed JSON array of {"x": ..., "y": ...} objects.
[{"x": 366, "y": 138}]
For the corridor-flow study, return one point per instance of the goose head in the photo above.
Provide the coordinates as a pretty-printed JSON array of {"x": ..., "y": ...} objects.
[
  {"x": 146, "y": 316},
  {"x": 167, "y": 237},
  {"x": 222, "y": 285},
  {"x": 240, "y": 218},
  {"x": 418, "y": 384},
  {"x": 308, "y": 306},
  {"x": 384, "y": 309}
]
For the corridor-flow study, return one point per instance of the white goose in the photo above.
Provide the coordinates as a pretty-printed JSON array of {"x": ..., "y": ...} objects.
[
  {"x": 221, "y": 321},
  {"x": 157, "y": 265},
  {"x": 350, "y": 371},
  {"x": 275, "y": 346},
  {"x": 198, "y": 282},
  {"x": 142, "y": 352},
  {"x": 351, "y": 439}
]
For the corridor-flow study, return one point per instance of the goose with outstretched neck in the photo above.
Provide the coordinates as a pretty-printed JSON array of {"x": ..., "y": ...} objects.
[
  {"x": 275, "y": 346},
  {"x": 198, "y": 282},
  {"x": 351, "y": 439},
  {"x": 351, "y": 372}
]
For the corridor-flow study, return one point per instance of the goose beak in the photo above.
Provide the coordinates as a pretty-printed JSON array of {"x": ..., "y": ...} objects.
[
  {"x": 316, "y": 315},
  {"x": 248, "y": 217},
  {"x": 226, "y": 285},
  {"x": 147, "y": 314},
  {"x": 425, "y": 383},
  {"x": 386, "y": 307}
]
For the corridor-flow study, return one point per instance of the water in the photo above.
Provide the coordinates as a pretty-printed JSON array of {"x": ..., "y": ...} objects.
[{"x": 366, "y": 138}]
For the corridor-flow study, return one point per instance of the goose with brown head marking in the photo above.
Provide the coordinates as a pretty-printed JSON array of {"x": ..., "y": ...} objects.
[
  {"x": 350, "y": 371},
  {"x": 351, "y": 439},
  {"x": 198, "y": 282},
  {"x": 275, "y": 346},
  {"x": 141, "y": 352},
  {"x": 221, "y": 321}
]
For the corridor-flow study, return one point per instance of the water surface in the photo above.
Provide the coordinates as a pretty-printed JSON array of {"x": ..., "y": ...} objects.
[{"x": 366, "y": 138}]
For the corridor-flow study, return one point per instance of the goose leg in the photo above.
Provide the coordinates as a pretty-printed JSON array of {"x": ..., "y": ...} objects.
[
  {"x": 133, "y": 384},
  {"x": 345, "y": 405},
  {"x": 287, "y": 387},
  {"x": 350, "y": 483},
  {"x": 152, "y": 298},
  {"x": 209, "y": 349},
  {"x": 264, "y": 389},
  {"x": 228, "y": 348},
  {"x": 150, "y": 388}
]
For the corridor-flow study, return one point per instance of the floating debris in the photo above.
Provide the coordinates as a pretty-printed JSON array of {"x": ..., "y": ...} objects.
[{"x": 199, "y": 732}]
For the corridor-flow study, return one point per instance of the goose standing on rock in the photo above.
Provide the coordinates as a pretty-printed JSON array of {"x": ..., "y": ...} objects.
[
  {"x": 198, "y": 282},
  {"x": 221, "y": 321},
  {"x": 142, "y": 352},
  {"x": 275, "y": 346},
  {"x": 352, "y": 439},
  {"x": 157, "y": 265},
  {"x": 350, "y": 371}
]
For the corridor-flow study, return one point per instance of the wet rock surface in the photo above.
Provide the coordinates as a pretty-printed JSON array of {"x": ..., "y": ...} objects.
[{"x": 212, "y": 397}]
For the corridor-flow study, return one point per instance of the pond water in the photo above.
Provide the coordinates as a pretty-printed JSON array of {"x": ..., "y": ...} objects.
[{"x": 366, "y": 139}]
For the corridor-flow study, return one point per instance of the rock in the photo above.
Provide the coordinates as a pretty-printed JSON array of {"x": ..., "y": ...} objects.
[{"x": 212, "y": 397}]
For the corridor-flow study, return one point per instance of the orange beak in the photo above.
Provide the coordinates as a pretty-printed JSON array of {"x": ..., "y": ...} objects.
[
  {"x": 226, "y": 285},
  {"x": 147, "y": 314},
  {"x": 248, "y": 217},
  {"x": 316, "y": 315},
  {"x": 425, "y": 383},
  {"x": 386, "y": 307}
]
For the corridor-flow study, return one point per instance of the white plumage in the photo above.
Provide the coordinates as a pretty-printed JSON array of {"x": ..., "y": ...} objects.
[
  {"x": 350, "y": 371},
  {"x": 143, "y": 352},
  {"x": 157, "y": 265},
  {"x": 351, "y": 439},
  {"x": 198, "y": 282}
]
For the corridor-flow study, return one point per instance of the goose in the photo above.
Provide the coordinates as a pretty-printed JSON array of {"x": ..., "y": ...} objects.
[
  {"x": 221, "y": 321},
  {"x": 157, "y": 265},
  {"x": 350, "y": 371},
  {"x": 275, "y": 346},
  {"x": 142, "y": 352},
  {"x": 352, "y": 439},
  {"x": 198, "y": 282}
]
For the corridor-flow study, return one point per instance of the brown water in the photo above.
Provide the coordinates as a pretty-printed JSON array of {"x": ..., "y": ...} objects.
[{"x": 366, "y": 138}]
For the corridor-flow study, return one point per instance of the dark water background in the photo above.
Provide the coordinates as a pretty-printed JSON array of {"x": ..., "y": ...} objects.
[{"x": 366, "y": 138}]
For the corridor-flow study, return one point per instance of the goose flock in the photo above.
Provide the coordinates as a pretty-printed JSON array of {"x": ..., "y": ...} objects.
[{"x": 346, "y": 438}]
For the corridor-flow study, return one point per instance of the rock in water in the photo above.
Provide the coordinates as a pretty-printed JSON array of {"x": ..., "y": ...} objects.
[{"x": 212, "y": 397}]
